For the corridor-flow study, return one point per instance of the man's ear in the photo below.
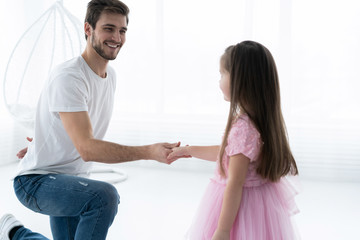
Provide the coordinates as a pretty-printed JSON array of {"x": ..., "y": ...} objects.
[{"x": 87, "y": 29}]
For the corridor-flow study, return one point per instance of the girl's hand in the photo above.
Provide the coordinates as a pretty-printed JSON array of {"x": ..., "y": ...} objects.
[
  {"x": 178, "y": 152},
  {"x": 221, "y": 235}
]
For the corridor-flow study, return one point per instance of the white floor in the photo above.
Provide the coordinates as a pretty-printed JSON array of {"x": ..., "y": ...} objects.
[{"x": 157, "y": 203}]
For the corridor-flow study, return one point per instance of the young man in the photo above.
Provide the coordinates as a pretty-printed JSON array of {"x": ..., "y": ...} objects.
[{"x": 73, "y": 114}]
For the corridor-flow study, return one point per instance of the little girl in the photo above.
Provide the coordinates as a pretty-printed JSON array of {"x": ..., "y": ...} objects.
[{"x": 249, "y": 197}]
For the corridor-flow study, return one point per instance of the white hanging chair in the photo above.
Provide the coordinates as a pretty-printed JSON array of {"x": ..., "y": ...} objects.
[
  {"x": 56, "y": 36},
  {"x": 50, "y": 40}
]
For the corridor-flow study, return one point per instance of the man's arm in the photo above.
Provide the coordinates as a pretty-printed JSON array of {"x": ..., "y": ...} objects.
[{"x": 78, "y": 127}]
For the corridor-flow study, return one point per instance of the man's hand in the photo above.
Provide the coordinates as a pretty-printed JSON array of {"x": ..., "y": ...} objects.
[
  {"x": 22, "y": 152},
  {"x": 161, "y": 151}
]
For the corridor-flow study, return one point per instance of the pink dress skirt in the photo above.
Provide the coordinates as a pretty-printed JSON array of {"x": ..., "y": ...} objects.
[{"x": 265, "y": 212}]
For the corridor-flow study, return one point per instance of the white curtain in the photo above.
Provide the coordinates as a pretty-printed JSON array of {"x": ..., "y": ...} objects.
[{"x": 168, "y": 74}]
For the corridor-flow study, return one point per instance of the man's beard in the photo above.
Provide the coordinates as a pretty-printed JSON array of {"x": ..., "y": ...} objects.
[{"x": 100, "y": 51}]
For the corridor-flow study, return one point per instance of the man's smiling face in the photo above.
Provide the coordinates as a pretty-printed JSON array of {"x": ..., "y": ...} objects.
[{"x": 109, "y": 35}]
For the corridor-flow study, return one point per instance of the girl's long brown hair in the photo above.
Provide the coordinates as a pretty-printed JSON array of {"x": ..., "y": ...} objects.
[{"x": 255, "y": 90}]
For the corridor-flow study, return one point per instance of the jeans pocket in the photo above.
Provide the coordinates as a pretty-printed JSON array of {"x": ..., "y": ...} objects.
[{"x": 28, "y": 200}]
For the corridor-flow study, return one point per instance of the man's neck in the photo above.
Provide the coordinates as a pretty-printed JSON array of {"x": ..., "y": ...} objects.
[{"x": 97, "y": 63}]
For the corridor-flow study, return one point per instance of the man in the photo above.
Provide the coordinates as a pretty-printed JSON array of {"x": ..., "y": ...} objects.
[{"x": 73, "y": 114}]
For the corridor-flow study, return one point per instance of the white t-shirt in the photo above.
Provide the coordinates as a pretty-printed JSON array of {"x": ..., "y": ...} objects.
[{"x": 72, "y": 87}]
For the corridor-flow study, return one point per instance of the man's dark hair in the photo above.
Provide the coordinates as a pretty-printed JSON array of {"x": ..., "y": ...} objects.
[{"x": 96, "y": 7}]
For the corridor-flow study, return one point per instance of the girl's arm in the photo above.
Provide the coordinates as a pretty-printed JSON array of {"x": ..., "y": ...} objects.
[
  {"x": 238, "y": 167},
  {"x": 209, "y": 153}
]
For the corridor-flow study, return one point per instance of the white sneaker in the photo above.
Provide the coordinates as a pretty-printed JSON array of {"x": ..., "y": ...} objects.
[{"x": 7, "y": 222}]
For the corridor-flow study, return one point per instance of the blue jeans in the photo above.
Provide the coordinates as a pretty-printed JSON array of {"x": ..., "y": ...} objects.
[{"x": 79, "y": 208}]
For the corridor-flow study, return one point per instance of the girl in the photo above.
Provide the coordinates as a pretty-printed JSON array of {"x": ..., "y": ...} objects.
[{"x": 249, "y": 197}]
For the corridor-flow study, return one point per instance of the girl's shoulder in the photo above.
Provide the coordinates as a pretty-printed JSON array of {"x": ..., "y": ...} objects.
[
  {"x": 244, "y": 124},
  {"x": 244, "y": 138}
]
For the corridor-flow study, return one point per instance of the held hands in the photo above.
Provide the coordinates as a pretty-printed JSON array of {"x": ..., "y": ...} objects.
[
  {"x": 22, "y": 152},
  {"x": 221, "y": 235},
  {"x": 167, "y": 152},
  {"x": 178, "y": 152},
  {"x": 160, "y": 151}
]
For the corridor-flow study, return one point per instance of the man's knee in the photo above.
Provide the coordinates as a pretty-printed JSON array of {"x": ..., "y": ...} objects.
[{"x": 109, "y": 196}]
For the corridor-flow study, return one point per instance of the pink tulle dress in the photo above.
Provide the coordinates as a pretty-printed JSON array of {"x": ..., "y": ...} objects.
[{"x": 266, "y": 207}]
